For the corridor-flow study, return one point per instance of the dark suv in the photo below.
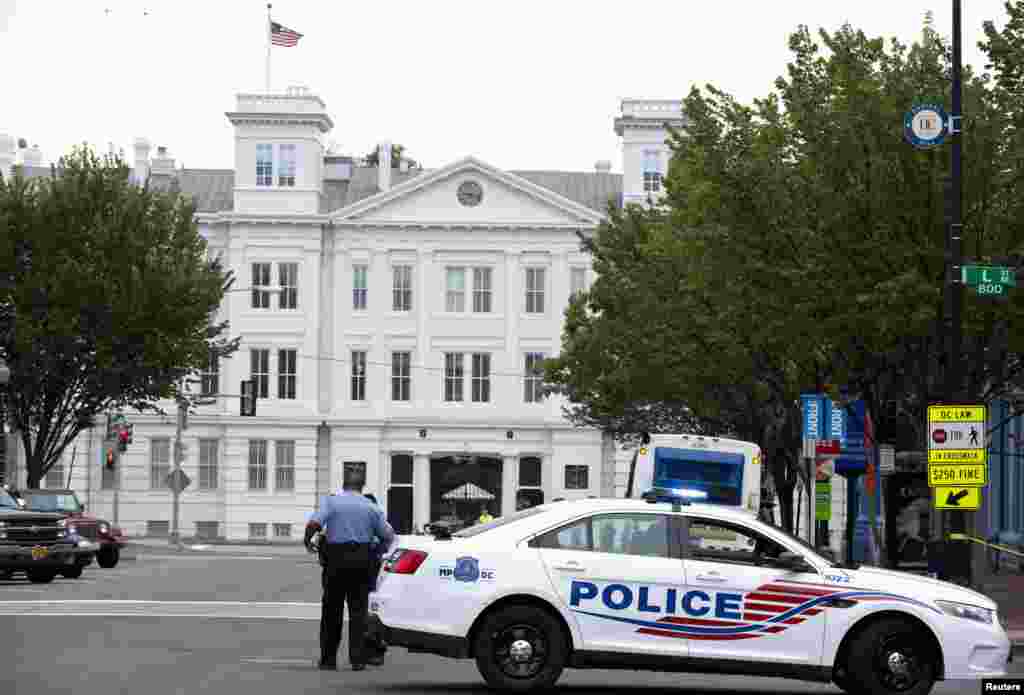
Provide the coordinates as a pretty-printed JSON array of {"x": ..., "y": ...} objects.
[
  {"x": 39, "y": 544},
  {"x": 65, "y": 502}
]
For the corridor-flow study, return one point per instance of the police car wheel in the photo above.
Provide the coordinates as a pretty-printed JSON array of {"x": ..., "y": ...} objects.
[
  {"x": 520, "y": 648},
  {"x": 891, "y": 656}
]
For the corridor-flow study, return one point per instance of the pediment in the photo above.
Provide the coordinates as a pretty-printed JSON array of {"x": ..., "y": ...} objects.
[{"x": 433, "y": 198}]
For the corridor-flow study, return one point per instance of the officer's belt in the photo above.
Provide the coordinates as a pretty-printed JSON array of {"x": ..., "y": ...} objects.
[{"x": 349, "y": 545}]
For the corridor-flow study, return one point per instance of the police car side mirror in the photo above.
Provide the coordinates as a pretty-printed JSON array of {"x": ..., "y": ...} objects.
[{"x": 793, "y": 561}]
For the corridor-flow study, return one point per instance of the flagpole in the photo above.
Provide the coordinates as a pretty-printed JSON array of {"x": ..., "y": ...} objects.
[{"x": 268, "y": 47}]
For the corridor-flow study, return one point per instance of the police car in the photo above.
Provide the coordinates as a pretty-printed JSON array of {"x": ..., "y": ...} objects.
[{"x": 658, "y": 585}]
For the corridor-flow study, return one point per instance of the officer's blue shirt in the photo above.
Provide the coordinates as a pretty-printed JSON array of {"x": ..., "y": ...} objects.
[{"x": 350, "y": 517}]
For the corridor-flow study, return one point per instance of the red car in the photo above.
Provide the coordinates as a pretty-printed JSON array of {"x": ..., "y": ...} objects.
[{"x": 109, "y": 537}]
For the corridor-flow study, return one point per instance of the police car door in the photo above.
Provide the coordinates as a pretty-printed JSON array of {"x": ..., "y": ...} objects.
[
  {"x": 618, "y": 575},
  {"x": 741, "y": 603}
]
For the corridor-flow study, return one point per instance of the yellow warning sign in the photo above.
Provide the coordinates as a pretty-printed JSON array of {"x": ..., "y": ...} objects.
[
  {"x": 968, "y": 498},
  {"x": 966, "y": 475},
  {"x": 956, "y": 413},
  {"x": 956, "y": 456}
]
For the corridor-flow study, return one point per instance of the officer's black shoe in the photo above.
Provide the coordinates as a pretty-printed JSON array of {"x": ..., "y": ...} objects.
[{"x": 358, "y": 667}]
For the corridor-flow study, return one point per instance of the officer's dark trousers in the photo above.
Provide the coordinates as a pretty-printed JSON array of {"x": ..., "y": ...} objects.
[{"x": 346, "y": 583}]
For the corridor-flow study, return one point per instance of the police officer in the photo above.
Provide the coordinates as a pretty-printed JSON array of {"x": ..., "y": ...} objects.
[{"x": 351, "y": 522}]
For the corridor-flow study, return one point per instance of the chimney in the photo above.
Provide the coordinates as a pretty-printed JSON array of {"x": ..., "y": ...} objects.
[
  {"x": 8, "y": 155},
  {"x": 384, "y": 167},
  {"x": 163, "y": 163},
  {"x": 141, "y": 168},
  {"x": 603, "y": 166}
]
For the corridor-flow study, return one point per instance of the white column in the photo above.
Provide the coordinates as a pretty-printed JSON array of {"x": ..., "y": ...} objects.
[
  {"x": 509, "y": 483},
  {"x": 420, "y": 490}
]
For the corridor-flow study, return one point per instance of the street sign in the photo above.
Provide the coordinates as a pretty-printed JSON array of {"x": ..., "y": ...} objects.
[
  {"x": 925, "y": 125},
  {"x": 957, "y": 450},
  {"x": 989, "y": 280},
  {"x": 969, "y": 475},
  {"x": 968, "y": 498},
  {"x": 178, "y": 480},
  {"x": 956, "y": 456}
]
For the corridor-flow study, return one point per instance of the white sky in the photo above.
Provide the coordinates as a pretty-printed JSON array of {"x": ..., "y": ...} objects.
[{"x": 530, "y": 84}]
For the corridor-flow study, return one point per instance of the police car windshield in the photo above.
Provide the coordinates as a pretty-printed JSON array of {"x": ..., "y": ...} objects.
[
  {"x": 500, "y": 521},
  {"x": 806, "y": 545}
]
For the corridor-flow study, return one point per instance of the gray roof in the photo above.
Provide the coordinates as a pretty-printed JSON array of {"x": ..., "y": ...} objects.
[{"x": 213, "y": 189}]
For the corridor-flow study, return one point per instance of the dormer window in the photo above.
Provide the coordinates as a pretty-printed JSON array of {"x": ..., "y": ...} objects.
[
  {"x": 652, "y": 171},
  {"x": 264, "y": 165},
  {"x": 286, "y": 166}
]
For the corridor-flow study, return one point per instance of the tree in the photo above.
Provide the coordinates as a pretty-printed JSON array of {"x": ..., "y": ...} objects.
[
  {"x": 800, "y": 244},
  {"x": 110, "y": 300},
  {"x": 373, "y": 158}
]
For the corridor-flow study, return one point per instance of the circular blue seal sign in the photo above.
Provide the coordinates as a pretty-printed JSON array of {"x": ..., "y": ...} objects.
[{"x": 925, "y": 125}]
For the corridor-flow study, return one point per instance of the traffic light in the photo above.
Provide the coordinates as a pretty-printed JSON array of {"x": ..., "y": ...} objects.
[
  {"x": 122, "y": 439},
  {"x": 110, "y": 457}
]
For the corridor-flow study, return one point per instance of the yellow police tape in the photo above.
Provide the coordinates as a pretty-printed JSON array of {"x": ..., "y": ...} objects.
[{"x": 1001, "y": 548}]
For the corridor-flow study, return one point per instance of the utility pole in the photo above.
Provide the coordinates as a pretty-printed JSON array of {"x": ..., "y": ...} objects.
[{"x": 958, "y": 562}]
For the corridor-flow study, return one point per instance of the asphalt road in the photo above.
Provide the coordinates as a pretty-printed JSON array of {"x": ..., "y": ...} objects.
[{"x": 246, "y": 623}]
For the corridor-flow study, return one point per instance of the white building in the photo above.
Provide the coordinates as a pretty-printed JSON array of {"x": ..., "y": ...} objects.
[{"x": 391, "y": 318}]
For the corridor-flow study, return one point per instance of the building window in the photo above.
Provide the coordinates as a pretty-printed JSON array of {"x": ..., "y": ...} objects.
[
  {"x": 482, "y": 290},
  {"x": 158, "y": 529},
  {"x": 359, "y": 287},
  {"x": 209, "y": 450},
  {"x": 286, "y": 363},
  {"x": 284, "y": 466},
  {"x": 455, "y": 293},
  {"x": 577, "y": 281},
  {"x": 481, "y": 378},
  {"x": 282, "y": 531},
  {"x": 286, "y": 166},
  {"x": 533, "y": 376},
  {"x": 529, "y": 471},
  {"x": 207, "y": 530},
  {"x": 264, "y": 165},
  {"x": 260, "y": 280},
  {"x": 535, "y": 290},
  {"x": 159, "y": 462},
  {"x": 288, "y": 277},
  {"x": 209, "y": 377},
  {"x": 257, "y": 532},
  {"x": 652, "y": 171},
  {"x": 257, "y": 464},
  {"x": 401, "y": 376},
  {"x": 358, "y": 375},
  {"x": 55, "y": 476},
  {"x": 401, "y": 288},
  {"x": 259, "y": 361},
  {"x": 453, "y": 373},
  {"x": 576, "y": 477}
]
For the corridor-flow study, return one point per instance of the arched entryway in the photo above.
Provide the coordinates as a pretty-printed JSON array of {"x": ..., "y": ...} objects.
[{"x": 462, "y": 485}]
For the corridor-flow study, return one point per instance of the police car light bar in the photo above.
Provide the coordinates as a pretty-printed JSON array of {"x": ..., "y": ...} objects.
[{"x": 664, "y": 494}]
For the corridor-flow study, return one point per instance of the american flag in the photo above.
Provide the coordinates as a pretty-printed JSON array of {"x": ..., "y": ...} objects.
[{"x": 283, "y": 36}]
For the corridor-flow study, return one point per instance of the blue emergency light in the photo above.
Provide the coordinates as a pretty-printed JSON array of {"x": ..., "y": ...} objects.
[{"x": 677, "y": 498}]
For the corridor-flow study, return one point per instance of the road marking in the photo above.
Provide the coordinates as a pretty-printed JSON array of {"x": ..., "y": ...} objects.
[
  {"x": 241, "y": 610},
  {"x": 262, "y": 660}
]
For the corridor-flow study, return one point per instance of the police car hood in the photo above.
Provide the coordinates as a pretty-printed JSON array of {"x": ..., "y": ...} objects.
[{"x": 920, "y": 587}]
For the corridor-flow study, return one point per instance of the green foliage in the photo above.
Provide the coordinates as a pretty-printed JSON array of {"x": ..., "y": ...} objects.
[
  {"x": 109, "y": 299},
  {"x": 373, "y": 158},
  {"x": 800, "y": 243}
]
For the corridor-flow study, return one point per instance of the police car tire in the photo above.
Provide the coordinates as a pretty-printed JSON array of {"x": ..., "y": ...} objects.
[
  {"x": 861, "y": 673},
  {"x": 533, "y": 617}
]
